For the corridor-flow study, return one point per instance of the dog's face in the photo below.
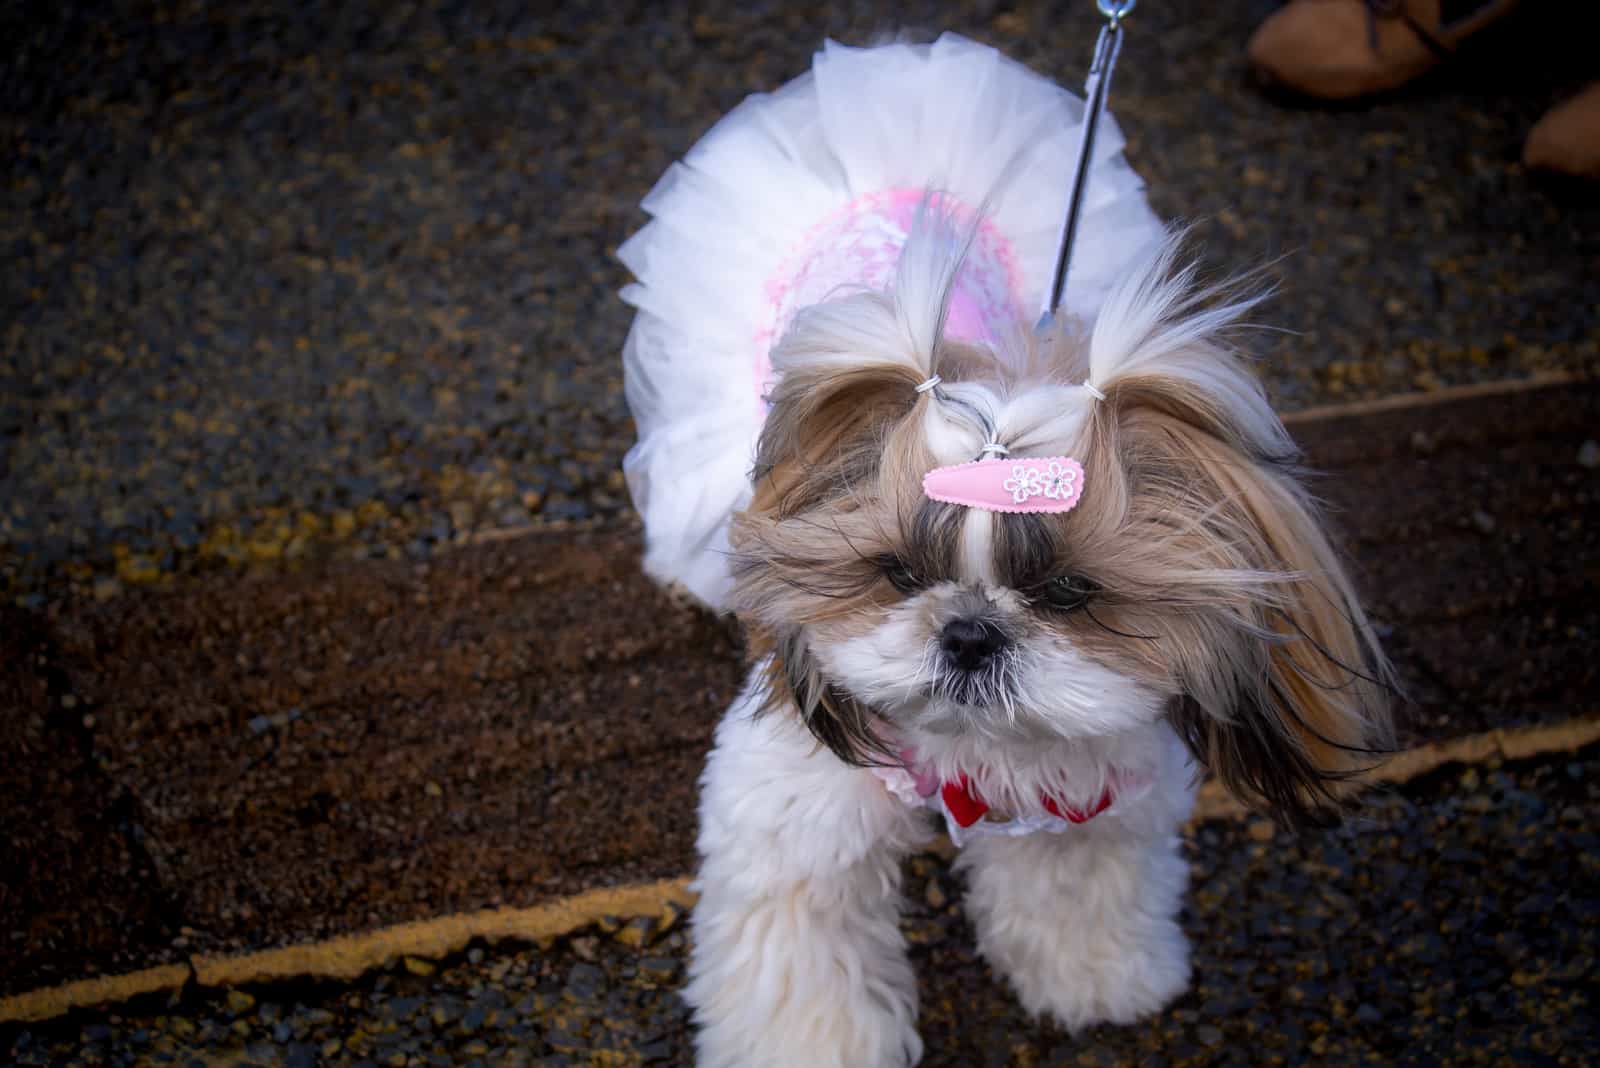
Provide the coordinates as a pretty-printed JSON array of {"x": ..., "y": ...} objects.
[{"x": 1192, "y": 580}]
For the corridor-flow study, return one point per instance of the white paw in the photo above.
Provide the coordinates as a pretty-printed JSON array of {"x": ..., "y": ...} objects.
[
  {"x": 1086, "y": 930},
  {"x": 1109, "y": 981},
  {"x": 847, "y": 1039},
  {"x": 788, "y": 995}
]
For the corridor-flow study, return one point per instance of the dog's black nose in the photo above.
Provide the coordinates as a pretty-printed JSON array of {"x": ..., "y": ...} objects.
[{"x": 970, "y": 644}]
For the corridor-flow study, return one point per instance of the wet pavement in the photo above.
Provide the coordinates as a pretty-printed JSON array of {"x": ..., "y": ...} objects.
[
  {"x": 288, "y": 279},
  {"x": 1455, "y": 923}
]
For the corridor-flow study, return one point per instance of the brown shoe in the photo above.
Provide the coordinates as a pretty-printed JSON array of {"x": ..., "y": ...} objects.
[
  {"x": 1567, "y": 139},
  {"x": 1343, "y": 49}
]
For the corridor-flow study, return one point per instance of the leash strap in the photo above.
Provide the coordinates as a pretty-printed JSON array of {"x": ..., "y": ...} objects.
[{"x": 1095, "y": 90}]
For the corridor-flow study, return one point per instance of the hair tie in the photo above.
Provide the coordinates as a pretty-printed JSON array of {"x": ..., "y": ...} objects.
[
  {"x": 1093, "y": 392},
  {"x": 929, "y": 384},
  {"x": 995, "y": 447}
]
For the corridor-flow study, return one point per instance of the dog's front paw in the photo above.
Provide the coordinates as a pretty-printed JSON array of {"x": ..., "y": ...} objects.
[
  {"x": 1083, "y": 982},
  {"x": 780, "y": 996},
  {"x": 812, "y": 977},
  {"x": 836, "y": 1037},
  {"x": 1086, "y": 930}
]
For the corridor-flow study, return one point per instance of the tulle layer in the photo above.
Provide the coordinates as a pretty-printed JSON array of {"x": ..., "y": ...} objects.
[{"x": 729, "y": 221}]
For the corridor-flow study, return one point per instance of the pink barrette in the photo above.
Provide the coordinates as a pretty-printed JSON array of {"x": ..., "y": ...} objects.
[{"x": 1034, "y": 484}]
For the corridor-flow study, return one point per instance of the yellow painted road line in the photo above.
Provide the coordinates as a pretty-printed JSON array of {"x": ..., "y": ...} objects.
[
  {"x": 1432, "y": 398},
  {"x": 352, "y": 955},
  {"x": 102, "y": 990},
  {"x": 1515, "y": 743}
]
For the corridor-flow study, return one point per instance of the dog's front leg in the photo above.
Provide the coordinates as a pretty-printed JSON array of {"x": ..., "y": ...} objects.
[
  {"x": 1084, "y": 924},
  {"x": 798, "y": 957}
]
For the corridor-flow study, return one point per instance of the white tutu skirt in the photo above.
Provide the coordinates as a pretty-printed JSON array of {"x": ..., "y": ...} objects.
[{"x": 749, "y": 227}]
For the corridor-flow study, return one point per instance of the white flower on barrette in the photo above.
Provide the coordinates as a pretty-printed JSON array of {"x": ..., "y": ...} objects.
[
  {"x": 1055, "y": 482},
  {"x": 1024, "y": 482},
  {"x": 1058, "y": 481}
]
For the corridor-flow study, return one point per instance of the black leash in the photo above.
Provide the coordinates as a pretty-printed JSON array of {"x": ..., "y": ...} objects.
[{"x": 1095, "y": 90}]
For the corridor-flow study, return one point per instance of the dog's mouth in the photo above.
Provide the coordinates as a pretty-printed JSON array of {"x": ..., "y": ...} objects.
[
  {"x": 976, "y": 691},
  {"x": 980, "y": 687},
  {"x": 964, "y": 701}
]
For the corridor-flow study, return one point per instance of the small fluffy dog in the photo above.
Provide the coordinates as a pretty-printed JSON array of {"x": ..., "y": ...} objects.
[{"x": 1026, "y": 580}]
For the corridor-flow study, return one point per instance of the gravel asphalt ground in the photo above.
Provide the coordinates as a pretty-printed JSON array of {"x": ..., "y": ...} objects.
[{"x": 1455, "y": 923}]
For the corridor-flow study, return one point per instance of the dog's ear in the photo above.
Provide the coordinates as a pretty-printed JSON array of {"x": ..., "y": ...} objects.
[
  {"x": 1283, "y": 688},
  {"x": 1306, "y": 710},
  {"x": 1285, "y": 692},
  {"x": 824, "y": 439},
  {"x": 825, "y": 430},
  {"x": 795, "y": 682}
]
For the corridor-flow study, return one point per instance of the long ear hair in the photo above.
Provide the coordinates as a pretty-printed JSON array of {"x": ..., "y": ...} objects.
[
  {"x": 795, "y": 683},
  {"x": 1294, "y": 699},
  {"x": 848, "y": 372},
  {"x": 1283, "y": 687},
  {"x": 793, "y": 558},
  {"x": 824, "y": 432}
]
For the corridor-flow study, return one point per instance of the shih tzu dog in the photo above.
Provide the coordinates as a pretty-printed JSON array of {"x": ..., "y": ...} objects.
[{"x": 1028, "y": 582}]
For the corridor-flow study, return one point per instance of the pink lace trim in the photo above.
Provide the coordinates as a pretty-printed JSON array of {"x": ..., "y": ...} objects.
[{"x": 858, "y": 247}]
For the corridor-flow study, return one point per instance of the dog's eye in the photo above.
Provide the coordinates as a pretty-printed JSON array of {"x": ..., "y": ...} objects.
[
  {"x": 1067, "y": 592},
  {"x": 899, "y": 575}
]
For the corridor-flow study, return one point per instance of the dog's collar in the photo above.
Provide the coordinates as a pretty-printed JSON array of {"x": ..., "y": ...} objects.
[
  {"x": 966, "y": 806},
  {"x": 966, "y": 813}
]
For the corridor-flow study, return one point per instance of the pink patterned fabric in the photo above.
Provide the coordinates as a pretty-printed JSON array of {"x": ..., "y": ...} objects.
[
  {"x": 858, "y": 247},
  {"x": 1031, "y": 484}
]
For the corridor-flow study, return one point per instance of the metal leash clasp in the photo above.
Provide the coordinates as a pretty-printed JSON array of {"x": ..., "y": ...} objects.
[{"x": 1096, "y": 88}]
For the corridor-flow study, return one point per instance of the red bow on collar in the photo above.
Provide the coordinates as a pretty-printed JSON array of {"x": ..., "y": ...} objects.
[{"x": 966, "y": 807}]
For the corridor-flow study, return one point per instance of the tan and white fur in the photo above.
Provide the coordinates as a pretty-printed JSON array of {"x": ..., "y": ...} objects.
[{"x": 1190, "y": 613}]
